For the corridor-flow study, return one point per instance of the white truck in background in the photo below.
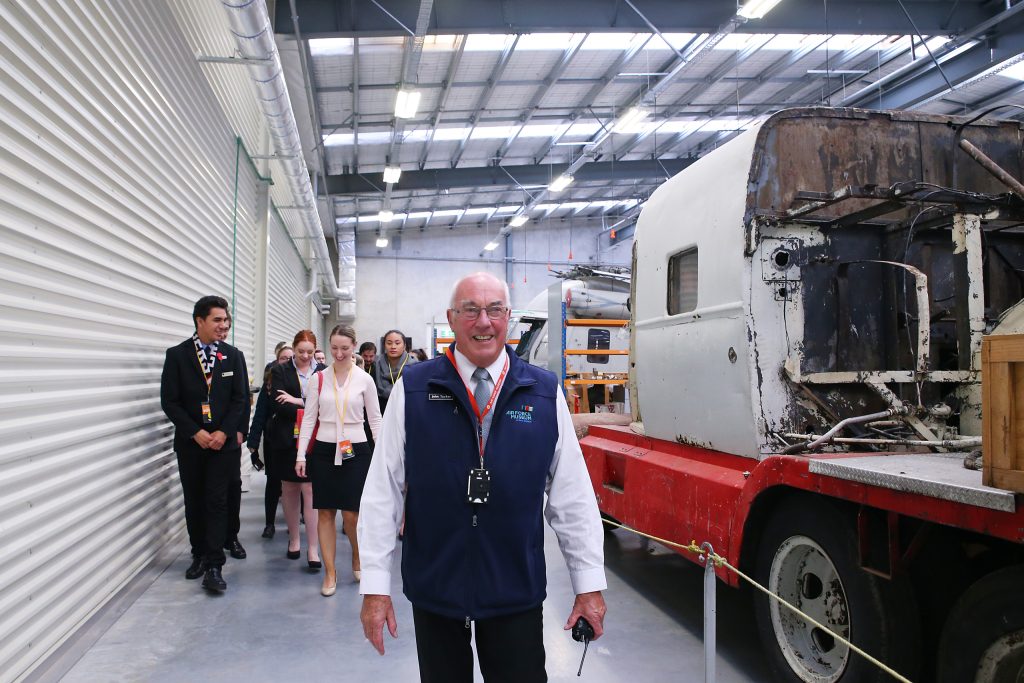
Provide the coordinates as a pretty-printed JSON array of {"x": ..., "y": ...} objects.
[{"x": 808, "y": 306}]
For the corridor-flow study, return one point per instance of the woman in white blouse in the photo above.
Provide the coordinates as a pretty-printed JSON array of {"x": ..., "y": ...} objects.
[{"x": 340, "y": 458}]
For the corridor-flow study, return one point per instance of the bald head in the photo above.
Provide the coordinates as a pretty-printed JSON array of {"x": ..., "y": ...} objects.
[{"x": 474, "y": 279}]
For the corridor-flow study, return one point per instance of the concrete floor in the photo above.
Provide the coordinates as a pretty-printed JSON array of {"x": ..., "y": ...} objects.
[{"x": 273, "y": 625}]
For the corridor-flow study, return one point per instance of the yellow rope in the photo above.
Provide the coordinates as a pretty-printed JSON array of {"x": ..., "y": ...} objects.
[{"x": 722, "y": 562}]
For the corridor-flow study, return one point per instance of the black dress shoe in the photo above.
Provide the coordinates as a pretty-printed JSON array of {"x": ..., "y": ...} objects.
[
  {"x": 196, "y": 569},
  {"x": 314, "y": 565},
  {"x": 213, "y": 581},
  {"x": 235, "y": 549},
  {"x": 293, "y": 554},
  {"x": 268, "y": 531}
]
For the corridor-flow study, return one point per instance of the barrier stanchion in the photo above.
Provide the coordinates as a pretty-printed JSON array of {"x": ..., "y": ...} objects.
[
  {"x": 709, "y": 613},
  {"x": 711, "y": 560}
]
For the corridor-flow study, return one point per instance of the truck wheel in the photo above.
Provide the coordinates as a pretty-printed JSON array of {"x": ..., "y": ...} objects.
[
  {"x": 807, "y": 555},
  {"x": 983, "y": 639}
]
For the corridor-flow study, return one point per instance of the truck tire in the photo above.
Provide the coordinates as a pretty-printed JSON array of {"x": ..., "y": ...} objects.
[
  {"x": 983, "y": 639},
  {"x": 807, "y": 555}
]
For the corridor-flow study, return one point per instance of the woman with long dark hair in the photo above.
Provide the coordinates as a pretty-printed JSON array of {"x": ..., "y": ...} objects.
[{"x": 388, "y": 366}]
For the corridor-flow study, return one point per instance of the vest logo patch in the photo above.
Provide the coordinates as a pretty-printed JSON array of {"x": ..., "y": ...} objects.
[
  {"x": 524, "y": 416},
  {"x": 439, "y": 396}
]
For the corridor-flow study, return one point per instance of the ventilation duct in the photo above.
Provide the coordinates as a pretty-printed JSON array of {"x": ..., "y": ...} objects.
[{"x": 250, "y": 25}]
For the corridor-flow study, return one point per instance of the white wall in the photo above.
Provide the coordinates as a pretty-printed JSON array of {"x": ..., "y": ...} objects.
[
  {"x": 408, "y": 283},
  {"x": 118, "y": 196}
]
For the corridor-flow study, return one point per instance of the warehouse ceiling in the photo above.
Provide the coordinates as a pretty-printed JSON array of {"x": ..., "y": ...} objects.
[{"x": 616, "y": 94}]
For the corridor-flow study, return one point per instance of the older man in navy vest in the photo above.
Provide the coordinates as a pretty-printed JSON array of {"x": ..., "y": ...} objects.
[{"x": 476, "y": 438}]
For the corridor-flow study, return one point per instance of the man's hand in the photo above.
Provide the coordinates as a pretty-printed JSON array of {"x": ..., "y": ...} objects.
[
  {"x": 203, "y": 438},
  {"x": 241, "y": 439},
  {"x": 376, "y": 610},
  {"x": 217, "y": 440},
  {"x": 591, "y": 607}
]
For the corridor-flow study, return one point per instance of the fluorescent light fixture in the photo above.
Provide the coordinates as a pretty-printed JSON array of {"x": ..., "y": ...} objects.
[
  {"x": 755, "y": 9},
  {"x": 406, "y": 104},
  {"x": 490, "y": 246},
  {"x": 560, "y": 183},
  {"x": 385, "y": 215},
  {"x": 382, "y": 242},
  {"x": 633, "y": 116},
  {"x": 636, "y": 74},
  {"x": 519, "y": 221},
  {"x": 392, "y": 174}
]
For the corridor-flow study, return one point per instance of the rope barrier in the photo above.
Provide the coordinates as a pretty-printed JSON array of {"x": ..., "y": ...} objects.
[{"x": 720, "y": 561}]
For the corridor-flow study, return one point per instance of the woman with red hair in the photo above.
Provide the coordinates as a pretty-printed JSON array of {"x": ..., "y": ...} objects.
[{"x": 290, "y": 383}]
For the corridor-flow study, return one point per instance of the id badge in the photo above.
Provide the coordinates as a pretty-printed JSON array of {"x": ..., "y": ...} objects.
[
  {"x": 207, "y": 412},
  {"x": 345, "y": 448},
  {"x": 478, "y": 489}
]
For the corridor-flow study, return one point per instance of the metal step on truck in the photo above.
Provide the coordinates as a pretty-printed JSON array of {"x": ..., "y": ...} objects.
[{"x": 808, "y": 307}]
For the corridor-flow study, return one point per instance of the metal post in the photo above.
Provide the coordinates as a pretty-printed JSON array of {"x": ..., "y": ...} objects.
[{"x": 709, "y": 613}]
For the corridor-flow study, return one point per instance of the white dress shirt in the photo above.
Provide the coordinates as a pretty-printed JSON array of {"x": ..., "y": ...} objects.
[
  {"x": 571, "y": 507},
  {"x": 324, "y": 406}
]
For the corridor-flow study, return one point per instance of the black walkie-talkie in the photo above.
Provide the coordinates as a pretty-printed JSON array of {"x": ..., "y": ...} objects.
[{"x": 582, "y": 632}]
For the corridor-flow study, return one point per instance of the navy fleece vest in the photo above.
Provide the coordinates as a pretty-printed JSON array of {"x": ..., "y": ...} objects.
[{"x": 479, "y": 561}]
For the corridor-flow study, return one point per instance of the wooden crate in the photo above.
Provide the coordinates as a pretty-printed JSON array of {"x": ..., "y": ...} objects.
[{"x": 1002, "y": 410}]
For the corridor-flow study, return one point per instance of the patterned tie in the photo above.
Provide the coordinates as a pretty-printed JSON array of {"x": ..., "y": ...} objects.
[{"x": 482, "y": 394}]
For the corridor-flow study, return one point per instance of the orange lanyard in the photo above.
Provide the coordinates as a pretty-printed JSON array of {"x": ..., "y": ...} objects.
[{"x": 480, "y": 415}]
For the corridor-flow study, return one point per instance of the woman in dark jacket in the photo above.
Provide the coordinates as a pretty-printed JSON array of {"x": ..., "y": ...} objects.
[
  {"x": 260, "y": 417},
  {"x": 289, "y": 384}
]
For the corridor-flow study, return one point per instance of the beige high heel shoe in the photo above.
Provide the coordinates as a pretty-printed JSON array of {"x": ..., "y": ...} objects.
[{"x": 328, "y": 591}]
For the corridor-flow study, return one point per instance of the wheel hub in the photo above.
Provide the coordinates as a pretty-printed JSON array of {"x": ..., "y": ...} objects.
[
  {"x": 803, "y": 575},
  {"x": 1003, "y": 661}
]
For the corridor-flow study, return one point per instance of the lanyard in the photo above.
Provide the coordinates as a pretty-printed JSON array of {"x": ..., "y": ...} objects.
[
  {"x": 207, "y": 369},
  {"x": 472, "y": 400},
  {"x": 341, "y": 410},
  {"x": 392, "y": 372}
]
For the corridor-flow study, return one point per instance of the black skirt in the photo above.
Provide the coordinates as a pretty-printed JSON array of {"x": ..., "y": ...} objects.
[
  {"x": 282, "y": 464},
  {"x": 338, "y": 487}
]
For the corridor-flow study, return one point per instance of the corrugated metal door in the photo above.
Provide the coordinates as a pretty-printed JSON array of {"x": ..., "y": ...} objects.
[
  {"x": 287, "y": 307},
  {"x": 117, "y": 211}
]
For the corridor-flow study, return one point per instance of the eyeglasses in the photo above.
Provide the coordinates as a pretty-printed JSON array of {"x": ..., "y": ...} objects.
[{"x": 496, "y": 312}]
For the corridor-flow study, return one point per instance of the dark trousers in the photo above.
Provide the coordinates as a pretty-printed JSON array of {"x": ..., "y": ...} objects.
[
  {"x": 510, "y": 648},
  {"x": 206, "y": 477},
  {"x": 270, "y": 498},
  {"x": 234, "y": 508}
]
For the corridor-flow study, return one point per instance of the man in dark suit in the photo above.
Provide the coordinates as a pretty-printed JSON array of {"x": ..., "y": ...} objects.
[{"x": 205, "y": 393}]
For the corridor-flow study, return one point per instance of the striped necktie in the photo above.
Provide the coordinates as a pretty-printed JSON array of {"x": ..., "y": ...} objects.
[{"x": 482, "y": 394}]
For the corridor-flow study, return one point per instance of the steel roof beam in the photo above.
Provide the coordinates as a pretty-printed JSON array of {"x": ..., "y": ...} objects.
[
  {"x": 1000, "y": 38},
  {"x": 534, "y": 105},
  {"x": 338, "y": 18},
  {"x": 691, "y": 94},
  {"x": 435, "y": 119},
  {"x": 496, "y": 177},
  {"x": 610, "y": 73},
  {"x": 355, "y": 105},
  {"x": 492, "y": 83}
]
